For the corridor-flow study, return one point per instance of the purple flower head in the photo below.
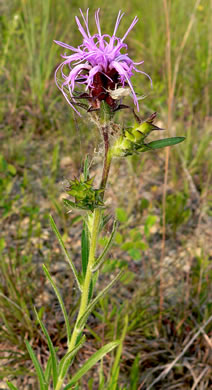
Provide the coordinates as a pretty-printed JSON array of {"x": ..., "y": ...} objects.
[{"x": 99, "y": 65}]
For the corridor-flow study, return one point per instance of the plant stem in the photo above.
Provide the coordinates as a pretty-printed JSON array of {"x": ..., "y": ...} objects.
[
  {"x": 92, "y": 251},
  {"x": 86, "y": 286},
  {"x": 93, "y": 239},
  {"x": 87, "y": 281},
  {"x": 107, "y": 157}
]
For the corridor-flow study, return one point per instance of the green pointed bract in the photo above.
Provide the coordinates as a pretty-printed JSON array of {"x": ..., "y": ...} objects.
[
  {"x": 143, "y": 129},
  {"x": 85, "y": 196},
  {"x": 129, "y": 135}
]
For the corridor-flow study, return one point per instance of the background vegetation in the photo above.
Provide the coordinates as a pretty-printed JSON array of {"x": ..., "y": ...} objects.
[{"x": 166, "y": 291}]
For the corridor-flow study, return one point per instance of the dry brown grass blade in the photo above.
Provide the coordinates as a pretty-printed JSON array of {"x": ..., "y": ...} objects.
[
  {"x": 169, "y": 72},
  {"x": 199, "y": 378},
  {"x": 165, "y": 372}
]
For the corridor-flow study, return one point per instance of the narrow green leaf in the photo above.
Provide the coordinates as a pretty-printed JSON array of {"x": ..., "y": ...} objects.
[
  {"x": 85, "y": 248},
  {"x": 65, "y": 252},
  {"x": 51, "y": 349},
  {"x": 116, "y": 364},
  {"x": 86, "y": 168},
  {"x": 101, "y": 376},
  {"x": 104, "y": 220},
  {"x": 48, "y": 369},
  {"x": 90, "y": 307},
  {"x": 66, "y": 360},
  {"x": 11, "y": 386},
  {"x": 39, "y": 371},
  {"x": 134, "y": 373},
  {"x": 92, "y": 361},
  {"x": 161, "y": 143},
  {"x": 65, "y": 315},
  {"x": 101, "y": 258}
]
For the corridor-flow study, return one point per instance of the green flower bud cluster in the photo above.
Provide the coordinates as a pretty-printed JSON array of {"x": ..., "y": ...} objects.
[
  {"x": 133, "y": 140},
  {"x": 85, "y": 196}
]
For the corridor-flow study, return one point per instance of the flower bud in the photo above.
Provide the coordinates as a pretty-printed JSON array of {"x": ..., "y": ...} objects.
[
  {"x": 133, "y": 140},
  {"x": 85, "y": 196}
]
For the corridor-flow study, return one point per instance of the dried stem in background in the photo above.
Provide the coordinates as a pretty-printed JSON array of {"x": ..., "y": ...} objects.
[
  {"x": 169, "y": 367},
  {"x": 171, "y": 92},
  {"x": 207, "y": 93},
  {"x": 170, "y": 96}
]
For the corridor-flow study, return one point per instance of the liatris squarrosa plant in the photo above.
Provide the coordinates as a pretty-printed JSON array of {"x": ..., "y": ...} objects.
[{"x": 94, "y": 80}]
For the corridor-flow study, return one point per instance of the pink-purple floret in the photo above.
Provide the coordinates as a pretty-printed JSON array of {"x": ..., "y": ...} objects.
[{"x": 99, "y": 53}]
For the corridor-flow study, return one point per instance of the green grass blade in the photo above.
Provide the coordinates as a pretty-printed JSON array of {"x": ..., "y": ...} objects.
[
  {"x": 101, "y": 376},
  {"x": 85, "y": 248},
  {"x": 16, "y": 306},
  {"x": 65, "y": 315},
  {"x": 134, "y": 373},
  {"x": 101, "y": 258},
  {"x": 90, "y": 307},
  {"x": 11, "y": 386},
  {"x": 51, "y": 349},
  {"x": 116, "y": 365},
  {"x": 39, "y": 371},
  {"x": 86, "y": 168},
  {"x": 65, "y": 252},
  {"x": 91, "y": 362}
]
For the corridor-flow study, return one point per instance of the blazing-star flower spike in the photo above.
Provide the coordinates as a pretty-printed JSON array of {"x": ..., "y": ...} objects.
[{"x": 98, "y": 64}]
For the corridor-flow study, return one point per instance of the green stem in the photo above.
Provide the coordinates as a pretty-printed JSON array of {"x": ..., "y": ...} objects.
[
  {"x": 92, "y": 251},
  {"x": 87, "y": 281},
  {"x": 86, "y": 285}
]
